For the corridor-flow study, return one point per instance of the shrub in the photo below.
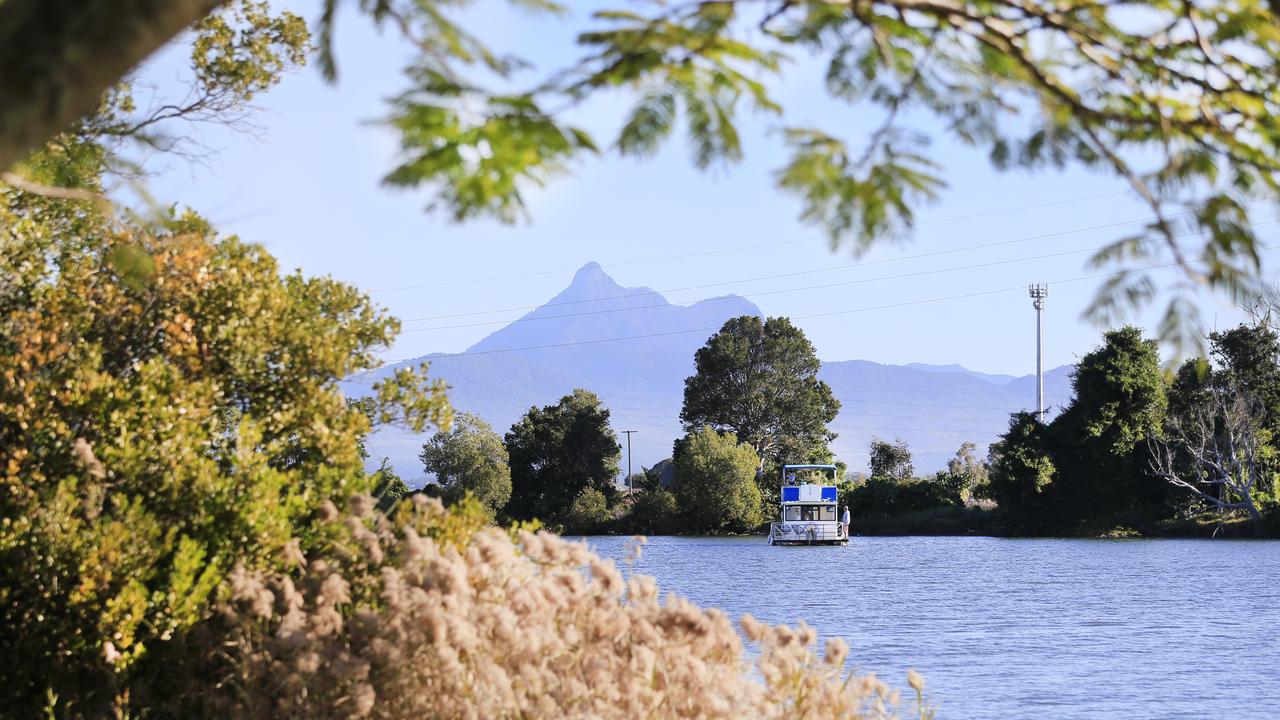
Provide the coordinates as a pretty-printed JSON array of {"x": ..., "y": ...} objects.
[
  {"x": 505, "y": 625},
  {"x": 588, "y": 513},
  {"x": 715, "y": 482},
  {"x": 169, "y": 407},
  {"x": 882, "y": 497},
  {"x": 654, "y": 511}
]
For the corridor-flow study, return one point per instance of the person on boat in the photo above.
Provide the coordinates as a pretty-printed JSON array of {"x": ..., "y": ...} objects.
[{"x": 844, "y": 521}]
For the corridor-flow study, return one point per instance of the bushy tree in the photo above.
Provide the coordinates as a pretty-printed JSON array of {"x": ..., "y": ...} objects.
[
  {"x": 1102, "y": 458},
  {"x": 968, "y": 472},
  {"x": 556, "y": 452},
  {"x": 1021, "y": 470},
  {"x": 891, "y": 460},
  {"x": 758, "y": 379},
  {"x": 588, "y": 513},
  {"x": 169, "y": 409},
  {"x": 715, "y": 482},
  {"x": 469, "y": 458}
]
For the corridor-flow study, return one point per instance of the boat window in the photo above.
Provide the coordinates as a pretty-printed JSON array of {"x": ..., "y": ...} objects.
[{"x": 804, "y": 513}]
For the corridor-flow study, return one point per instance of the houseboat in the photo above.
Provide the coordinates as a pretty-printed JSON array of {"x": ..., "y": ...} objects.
[{"x": 809, "y": 512}]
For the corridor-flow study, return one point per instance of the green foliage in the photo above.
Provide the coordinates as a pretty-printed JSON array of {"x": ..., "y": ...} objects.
[
  {"x": 654, "y": 511},
  {"x": 969, "y": 472},
  {"x": 715, "y": 482},
  {"x": 1119, "y": 403},
  {"x": 855, "y": 198},
  {"x": 1245, "y": 368},
  {"x": 1021, "y": 469},
  {"x": 159, "y": 424},
  {"x": 469, "y": 458},
  {"x": 891, "y": 461},
  {"x": 238, "y": 52},
  {"x": 388, "y": 488},
  {"x": 556, "y": 452},
  {"x": 882, "y": 497},
  {"x": 588, "y": 513},
  {"x": 243, "y": 50},
  {"x": 758, "y": 379}
]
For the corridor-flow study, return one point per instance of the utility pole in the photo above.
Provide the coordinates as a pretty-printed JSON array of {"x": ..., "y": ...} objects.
[
  {"x": 628, "y": 434},
  {"x": 1038, "y": 293}
]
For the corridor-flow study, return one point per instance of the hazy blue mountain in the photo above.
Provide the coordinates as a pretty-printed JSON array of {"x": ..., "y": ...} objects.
[
  {"x": 576, "y": 340},
  {"x": 953, "y": 368}
]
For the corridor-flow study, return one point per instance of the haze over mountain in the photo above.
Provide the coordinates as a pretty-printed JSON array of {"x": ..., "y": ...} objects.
[{"x": 634, "y": 349}]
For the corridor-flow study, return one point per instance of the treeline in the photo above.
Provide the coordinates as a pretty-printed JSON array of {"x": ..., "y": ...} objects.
[{"x": 1139, "y": 450}]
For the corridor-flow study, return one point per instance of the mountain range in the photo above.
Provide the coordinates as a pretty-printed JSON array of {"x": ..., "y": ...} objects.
[{"x": 634, "y": 349}]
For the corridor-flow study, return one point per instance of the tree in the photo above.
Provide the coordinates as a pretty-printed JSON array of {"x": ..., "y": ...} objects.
[
  {"x": 891, "y": 460},
  {"x": 556, "y": 452},
  {"x": 588, "y": 513},
  {"x": 759, "y": 380},
  {"x": 1021, "y": 470},
  {"x": 1229, "y": 450},
  {"x": 1246, "y": 360},
  {"x": 169, "y": 410},
  {"x": 1119, "y": 402},
  {"x": 388, "y": 488},
  {"x": 967, "y": 471},
  {"x": 1109, "y": 96},
  {"x": 715, "y": 482},
  {"x": 469, "y": 458}
]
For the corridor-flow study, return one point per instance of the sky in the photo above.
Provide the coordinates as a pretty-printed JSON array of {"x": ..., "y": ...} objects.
[{"x": 305, "y": 183}]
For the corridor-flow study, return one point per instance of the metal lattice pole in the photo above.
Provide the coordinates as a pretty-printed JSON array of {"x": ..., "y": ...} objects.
[{"x": 1038, "y": 294}]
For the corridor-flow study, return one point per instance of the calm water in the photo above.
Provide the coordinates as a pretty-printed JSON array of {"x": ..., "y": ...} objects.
[{"x": 1018, "y": 628}]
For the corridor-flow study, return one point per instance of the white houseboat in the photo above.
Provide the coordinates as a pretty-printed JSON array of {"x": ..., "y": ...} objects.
[{"x": 809, "y": 512}]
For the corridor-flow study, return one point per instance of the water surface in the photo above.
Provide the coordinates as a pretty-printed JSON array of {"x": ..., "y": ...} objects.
[{"x": 1017, "y": 628}]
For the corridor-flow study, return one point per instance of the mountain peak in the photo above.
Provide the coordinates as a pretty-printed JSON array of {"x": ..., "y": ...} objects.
[
  {"x": 592, "y": 282},
  {"x": 588, "y": 272}
]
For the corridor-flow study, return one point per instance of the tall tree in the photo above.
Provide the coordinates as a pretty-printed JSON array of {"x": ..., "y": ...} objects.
[
  {"x": 469, "y": 458},
  {"x": 1119, "y": 403},
  {"x": 759, "y": 380},
  {"x": 715, "y": 482},
  {"x": 556, "y": 452},
  {"x": 891, "y": 460}
]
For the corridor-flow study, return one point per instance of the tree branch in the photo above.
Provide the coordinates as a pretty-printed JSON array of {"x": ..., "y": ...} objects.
[{"x": 57, "y": 58}]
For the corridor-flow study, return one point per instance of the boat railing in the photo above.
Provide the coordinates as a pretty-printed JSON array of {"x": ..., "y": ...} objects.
[{"x": 802, "y": 531}]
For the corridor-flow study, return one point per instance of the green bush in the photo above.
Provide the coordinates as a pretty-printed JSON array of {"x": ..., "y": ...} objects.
[
  {"x": 716, "y": 482},
  {"x": 588, "y": 514},
  {"x": 169, "y": 410}
]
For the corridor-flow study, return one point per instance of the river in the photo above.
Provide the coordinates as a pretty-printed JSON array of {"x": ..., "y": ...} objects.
[{"x": 1016, "y": 628}]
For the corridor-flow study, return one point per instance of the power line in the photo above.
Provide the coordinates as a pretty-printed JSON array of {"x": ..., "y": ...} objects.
[
  {"x": 777, "y": 276},
  {"x": 763, "y": 293},
  {"x": 850, "y": 311},
  {"x": 740, "y": 248},
  {"x": 822, "y": 286}
]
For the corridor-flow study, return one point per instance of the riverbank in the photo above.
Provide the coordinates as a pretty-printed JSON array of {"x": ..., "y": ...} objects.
[{"x": 962, "y": 521}]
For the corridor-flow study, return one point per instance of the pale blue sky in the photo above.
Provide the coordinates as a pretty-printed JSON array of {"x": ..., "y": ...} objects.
[{"x": 305, "y": 183}]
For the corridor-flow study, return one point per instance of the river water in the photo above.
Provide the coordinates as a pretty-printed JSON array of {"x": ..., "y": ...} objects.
[{"x": 1016, "y": 628}]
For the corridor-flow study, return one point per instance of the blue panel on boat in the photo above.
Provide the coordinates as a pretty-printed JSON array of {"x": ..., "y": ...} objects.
[
  {"x": 790, "y": 494},
  {"x": 828, "y": 494}
]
